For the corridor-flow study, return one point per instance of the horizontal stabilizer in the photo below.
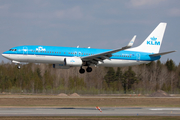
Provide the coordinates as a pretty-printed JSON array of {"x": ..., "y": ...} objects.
[{"x": 158, "y": 54}]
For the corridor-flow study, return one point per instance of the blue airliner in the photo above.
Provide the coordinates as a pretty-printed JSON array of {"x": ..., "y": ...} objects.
[{"x": 66, "y": 57}]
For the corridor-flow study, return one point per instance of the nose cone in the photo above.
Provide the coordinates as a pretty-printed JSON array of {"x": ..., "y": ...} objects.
[{"x": 5, "y": 55}]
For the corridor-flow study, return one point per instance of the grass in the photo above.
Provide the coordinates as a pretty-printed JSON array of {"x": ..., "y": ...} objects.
[{"x": 48, "y": 101}]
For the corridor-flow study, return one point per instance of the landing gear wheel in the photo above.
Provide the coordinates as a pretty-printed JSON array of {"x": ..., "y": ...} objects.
[
  {"x": 18, "y": 66},
  {"x": 88, "y": 69},
  {"x": 81, "y": 71}
]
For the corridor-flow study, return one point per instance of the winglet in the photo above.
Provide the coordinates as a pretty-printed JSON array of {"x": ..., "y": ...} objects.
[{"x": 131, "y": 42}]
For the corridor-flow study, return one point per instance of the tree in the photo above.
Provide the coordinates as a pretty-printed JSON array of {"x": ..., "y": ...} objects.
[
  {"x": 110, "y": 76},
  {"x": 118, "y": 74},
  {"x": 129, "y": 78},
  {"x": 170, "y": 65},
  {"x": 119, "y": 78}
]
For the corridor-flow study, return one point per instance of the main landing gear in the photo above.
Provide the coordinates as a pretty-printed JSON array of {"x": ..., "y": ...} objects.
[{"x": 88, "y": 69}]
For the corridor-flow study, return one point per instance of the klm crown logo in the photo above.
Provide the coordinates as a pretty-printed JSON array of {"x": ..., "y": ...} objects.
[
  {"x": 40, "y": 49},
  {"x": 153, "y": 38},
  {"x": 153, "y": 41},
  {"x": 72, "y": 60}
]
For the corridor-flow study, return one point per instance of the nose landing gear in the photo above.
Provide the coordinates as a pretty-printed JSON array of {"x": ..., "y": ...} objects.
[{"x": 18, "y": 66}]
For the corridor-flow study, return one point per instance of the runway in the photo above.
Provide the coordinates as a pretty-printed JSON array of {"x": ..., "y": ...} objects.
[{"x": 90, "y": 111}]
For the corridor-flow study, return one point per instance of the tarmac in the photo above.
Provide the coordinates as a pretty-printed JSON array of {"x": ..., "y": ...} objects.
[{"x": 90, "y": 111}]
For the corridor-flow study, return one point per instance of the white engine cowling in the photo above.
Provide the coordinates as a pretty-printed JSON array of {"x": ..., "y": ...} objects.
[{"x": 73, "y": 61}]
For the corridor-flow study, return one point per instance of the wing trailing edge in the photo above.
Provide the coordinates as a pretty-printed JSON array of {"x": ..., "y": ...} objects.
[{"x": 108, "y": 54}]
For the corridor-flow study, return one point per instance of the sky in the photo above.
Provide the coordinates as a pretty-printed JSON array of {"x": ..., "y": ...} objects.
[{"x": 107, "y": 24}]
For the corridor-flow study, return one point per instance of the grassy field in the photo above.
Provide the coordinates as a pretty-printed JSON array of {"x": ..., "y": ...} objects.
[
  {"x": 90, "y": 101},
  {"x": 9, "y": 101}
]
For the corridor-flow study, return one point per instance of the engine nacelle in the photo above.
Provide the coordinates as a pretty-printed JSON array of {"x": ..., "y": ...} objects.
[
  {"x": 60, "y": 66},
  {"x": 73, "y": 61}
]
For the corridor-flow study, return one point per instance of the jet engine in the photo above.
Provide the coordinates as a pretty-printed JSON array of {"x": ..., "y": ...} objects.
[{"x": 73, "y": 61}]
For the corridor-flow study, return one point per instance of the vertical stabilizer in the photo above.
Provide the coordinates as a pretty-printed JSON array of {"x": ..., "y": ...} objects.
[{"x": 153, "y": 42}]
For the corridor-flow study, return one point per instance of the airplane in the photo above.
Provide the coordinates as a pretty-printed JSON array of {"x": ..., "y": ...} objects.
[{"x": 67, "y": 57}]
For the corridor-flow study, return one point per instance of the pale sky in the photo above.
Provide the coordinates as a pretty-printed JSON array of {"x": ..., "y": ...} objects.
[{"x": 107, "y": 24}]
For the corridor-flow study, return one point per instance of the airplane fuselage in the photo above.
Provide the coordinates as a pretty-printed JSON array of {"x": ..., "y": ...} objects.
[
  {"x": 66, "y": 57},
  {"x": 56, "y": 55}
]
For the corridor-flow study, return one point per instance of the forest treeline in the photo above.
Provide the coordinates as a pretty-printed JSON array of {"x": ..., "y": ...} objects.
[{"x": 43, "y": 78}]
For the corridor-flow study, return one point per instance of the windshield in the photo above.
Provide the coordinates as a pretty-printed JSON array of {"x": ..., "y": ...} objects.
[{"x": 12, "y": 49}]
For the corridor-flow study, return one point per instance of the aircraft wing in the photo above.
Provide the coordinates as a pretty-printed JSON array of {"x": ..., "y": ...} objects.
[{"x": 106, "y": 55}]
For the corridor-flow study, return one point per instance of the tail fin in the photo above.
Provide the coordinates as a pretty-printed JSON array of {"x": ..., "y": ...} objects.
[{"x": 153, "y": 42}]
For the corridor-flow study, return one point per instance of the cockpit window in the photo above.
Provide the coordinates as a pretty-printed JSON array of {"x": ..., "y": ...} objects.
[{"x": 13, "y": 50}]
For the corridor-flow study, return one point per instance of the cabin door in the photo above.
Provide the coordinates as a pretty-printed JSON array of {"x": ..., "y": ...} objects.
[{"x": 138, "y": 56}]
